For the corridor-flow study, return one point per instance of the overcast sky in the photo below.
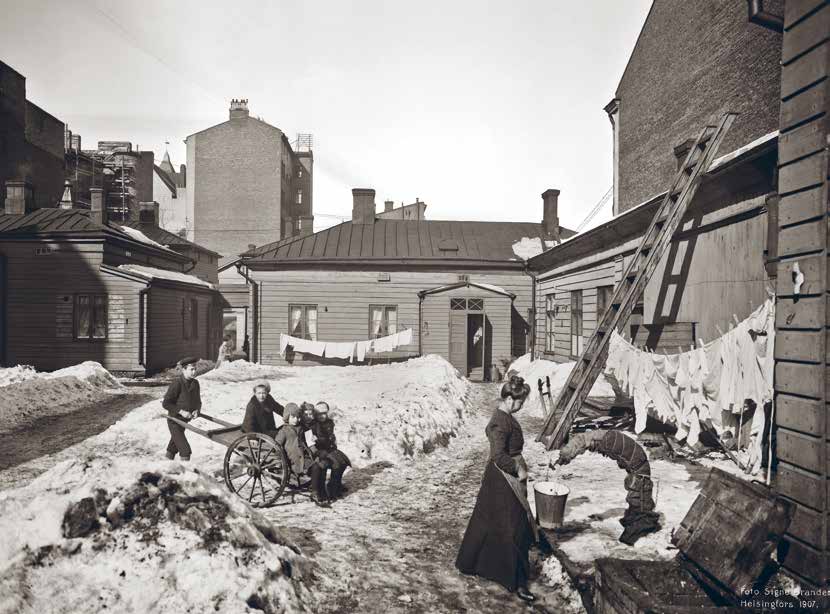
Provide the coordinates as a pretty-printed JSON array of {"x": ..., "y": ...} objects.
[{"x": 474, "y": 107}]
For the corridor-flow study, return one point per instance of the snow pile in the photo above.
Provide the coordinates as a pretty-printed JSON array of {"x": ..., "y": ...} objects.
[
  {"x": 203, "y": 366},
  {"x": 526, "y": 248},
  {"x": 149, "y": 272},
  {"x": 137, "y": 235},
  {"x": 242, "y": 371},
  {"x": 60, "y": 392},
  {"x": 96, "y": 534},
  {"x": 533, "y": 371},
  {"x": 15, "y": 374},
  {"x": 558, "y": 591}
]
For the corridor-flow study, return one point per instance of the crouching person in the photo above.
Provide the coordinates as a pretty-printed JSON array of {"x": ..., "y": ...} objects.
[
  {"x": 183, "y": 400},
  {"x": 262, "y": 414},
  {"x": 328, "y": 454}
]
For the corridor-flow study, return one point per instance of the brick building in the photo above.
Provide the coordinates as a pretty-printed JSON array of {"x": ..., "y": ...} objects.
[
  {"x": 31, "y": 142},
  {"x": 717, "y": 62},
  {"x": 246, "y": 184}
]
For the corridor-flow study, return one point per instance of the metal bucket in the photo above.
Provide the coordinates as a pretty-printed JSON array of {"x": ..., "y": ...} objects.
[{"x": 550, "y": 498}]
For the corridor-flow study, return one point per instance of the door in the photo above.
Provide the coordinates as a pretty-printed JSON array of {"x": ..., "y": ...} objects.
[
  {"x": 458, "y": 341},
  {"x": 476, "y": 342}
]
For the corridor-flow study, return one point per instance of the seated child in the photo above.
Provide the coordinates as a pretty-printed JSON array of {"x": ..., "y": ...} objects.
[
  {"x": 329, "y": 457},
  {"x": 261, "y": 411}
]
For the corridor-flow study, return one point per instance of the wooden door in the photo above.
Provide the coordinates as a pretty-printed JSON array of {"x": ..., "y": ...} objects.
[
  {"x": 3, "y": 300},
  {"x": 458, "y": 341}
]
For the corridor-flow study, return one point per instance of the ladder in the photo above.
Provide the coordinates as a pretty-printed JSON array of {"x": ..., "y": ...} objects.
[{"x": 656, "y": 241}]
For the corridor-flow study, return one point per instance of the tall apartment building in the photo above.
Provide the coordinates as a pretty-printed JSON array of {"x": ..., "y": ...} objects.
[{"x": 246, "y": 184}]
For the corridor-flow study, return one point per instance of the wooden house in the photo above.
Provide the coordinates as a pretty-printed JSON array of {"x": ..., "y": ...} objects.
[
  {"x": 459, "y": 286},
  {"x": 74, "y": 287},
  {"x": 722, "y": 258}
]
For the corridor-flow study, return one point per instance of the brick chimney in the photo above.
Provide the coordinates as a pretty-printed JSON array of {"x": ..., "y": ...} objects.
[
  {"x": 239, "y": 108},
  {"x": 20, "y": 198},
  {"x": 306, "y": 225},
  {"x": 97, "y": 213},
  {"x": 148, "y": 213},
  {"x": 388, "y": 205},
  {"x": 363, "y": 206},
  {"x": 66, "y": 199},
  {"x": 550, "y": 216}
]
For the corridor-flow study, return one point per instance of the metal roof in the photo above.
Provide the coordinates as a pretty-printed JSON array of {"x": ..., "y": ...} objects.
[
  {"x": 165, "y": 237},
  {"x": 49, "y": 221},
  {"x": 403, "y": 240}
]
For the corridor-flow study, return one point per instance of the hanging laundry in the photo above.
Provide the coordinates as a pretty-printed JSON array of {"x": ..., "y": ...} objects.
[
  {"x": 384, "y": 344},
  {"x": 405, "y": 337},
  {"x": 340, "y": 350},
  {"x": 360, "y": 349},
  {"x": 283, "y": 343}
]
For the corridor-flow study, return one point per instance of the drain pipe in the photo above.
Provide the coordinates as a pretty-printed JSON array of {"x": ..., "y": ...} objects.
[
  {"x": 526, "y": 271},
  {"x": 255, "y": 313},
  {"x": 143, "y": 309},
  {"x": 760, "y": 17}
]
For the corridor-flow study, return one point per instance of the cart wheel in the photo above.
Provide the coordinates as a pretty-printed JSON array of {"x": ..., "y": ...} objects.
[{"x": 256, "y": 469}]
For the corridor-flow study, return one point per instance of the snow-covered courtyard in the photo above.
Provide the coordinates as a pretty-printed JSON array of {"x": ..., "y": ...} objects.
[{"x": 148, "y": 535}]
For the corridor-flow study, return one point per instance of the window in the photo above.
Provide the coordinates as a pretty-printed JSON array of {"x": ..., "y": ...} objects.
[
  {"x": 194, "y": 319},
  {"x": 604, "y": 294},
  {"x": 186, "y": 321},
  {"x": 550, "y": 322},
  {"x": 91, "y": 316},
  {"x": 577, "y": 340},
  {"x": 457, "y": 304},
  {"x": 383, "y": 320},
  {"x": 299, "y": 173},
  {"x": 475, "y": 304},
  {"x": 299, "y": 197},
  {"x": 302, "y": 321}
]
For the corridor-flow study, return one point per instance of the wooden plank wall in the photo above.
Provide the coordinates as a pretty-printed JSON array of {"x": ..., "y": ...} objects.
[
  {"x": 588, "y": 280},
  {"x": 802, "y": 320},
  {"x": 436, "y": 324},
  {"x": 166, "y": 344},
  {"x": 343, "y": 299},
  {"x": 40, "y": 302}
]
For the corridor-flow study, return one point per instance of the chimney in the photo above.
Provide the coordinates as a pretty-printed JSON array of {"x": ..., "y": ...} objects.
[
  {"x": 388, "y": 205},
  {"x": 306, "y": 225},
  {"x": 66, "y": 199},
  {"x": 76, "y": 142},
  {"x": 363, "y": 206},
  {"x": 96, "y": 206},
  {"x": 251, "y": 247},
  {"x": 239, "y": 108},
  {"x": 288, "y": 228},
  {"x": 550, "y": 216},
  {"x": 20, "y": 199},
  {"x": 183, "y": 174},
  {"x": 148, "y": 213}
]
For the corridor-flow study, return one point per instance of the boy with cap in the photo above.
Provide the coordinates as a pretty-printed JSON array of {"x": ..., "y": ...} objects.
[
  {"x": 329, "y": 457},
  {"x": 183, "y": 400},
  {"x": 301, "y": 458}
]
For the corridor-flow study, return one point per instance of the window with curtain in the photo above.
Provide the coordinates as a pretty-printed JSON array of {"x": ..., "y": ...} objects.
[
  {"x": 604, "y": 294},
  {"x": 383, "y": 320},
  {"x": 577, "y": 340},
  {"x": 91, "y": 316},
  {"x": 302, "y": 321},
  {"x": 550, "y": 322}
]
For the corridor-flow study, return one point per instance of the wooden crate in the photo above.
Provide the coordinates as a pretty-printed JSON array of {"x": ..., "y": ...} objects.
[{"x": 724, "y": 544}]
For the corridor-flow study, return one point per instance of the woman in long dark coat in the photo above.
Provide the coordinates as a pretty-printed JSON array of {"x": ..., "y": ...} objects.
[{"x": 499, "y": 534}]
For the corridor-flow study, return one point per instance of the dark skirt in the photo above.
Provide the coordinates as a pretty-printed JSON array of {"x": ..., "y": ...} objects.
[{"x": 498, "y": 536}]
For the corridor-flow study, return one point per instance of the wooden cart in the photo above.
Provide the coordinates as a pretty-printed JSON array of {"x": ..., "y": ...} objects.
[{"x": 256, "y": 467}]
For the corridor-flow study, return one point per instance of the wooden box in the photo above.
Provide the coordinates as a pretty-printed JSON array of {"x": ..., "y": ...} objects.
[{"x": 724, "y": 544}]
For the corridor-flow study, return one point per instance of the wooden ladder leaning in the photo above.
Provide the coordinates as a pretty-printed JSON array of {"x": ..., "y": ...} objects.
[{"x": 656, "y": 241}]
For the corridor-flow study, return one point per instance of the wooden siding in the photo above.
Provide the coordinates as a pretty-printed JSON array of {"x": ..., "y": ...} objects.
[
  {"x": 40, "y": 301},
  {"x": 435, "y": 328},
  {"x": 343, "y": 299},
  {"x": 803, "y": 320},
  {"x": 697, "y": 255},
  {"x": 166, "y": 344}
]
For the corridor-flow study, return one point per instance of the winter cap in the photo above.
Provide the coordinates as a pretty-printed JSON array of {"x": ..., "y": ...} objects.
[
  {"x": 292, "y": 409},
  {"x": 306, "y": 406},
  {"x": 188, "y": 360},
  {"x": 317, "y": 411},
  {"x": 263, "y": 383},
  {"x": 515, "y": 388}
]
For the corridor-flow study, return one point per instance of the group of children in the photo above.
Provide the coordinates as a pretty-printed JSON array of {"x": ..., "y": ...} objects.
[{"x": 305, "y": 431}]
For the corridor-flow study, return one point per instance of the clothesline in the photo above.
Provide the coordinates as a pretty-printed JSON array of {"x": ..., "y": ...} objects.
[
  {"x": 709, "y": 384},
  {"x": 345, "y": 350}
]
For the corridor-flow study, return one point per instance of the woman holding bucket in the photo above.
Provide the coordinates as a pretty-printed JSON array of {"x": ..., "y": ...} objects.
[{"x": 502, "y": 529}]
